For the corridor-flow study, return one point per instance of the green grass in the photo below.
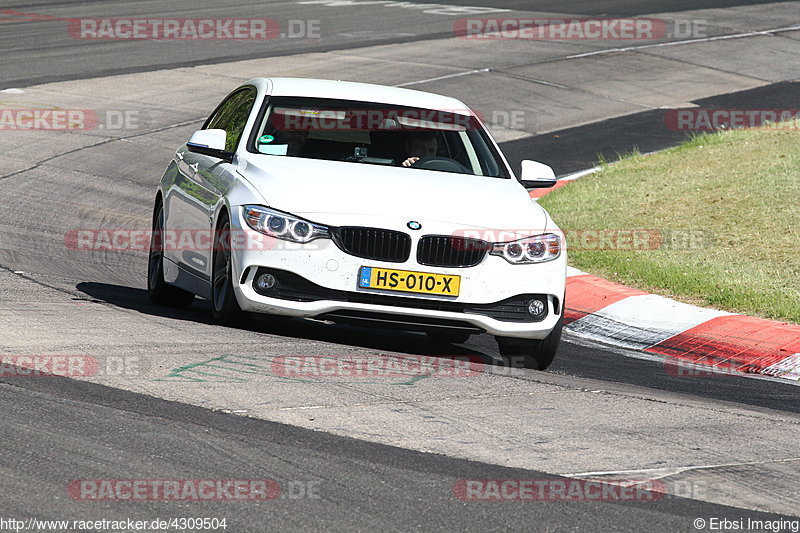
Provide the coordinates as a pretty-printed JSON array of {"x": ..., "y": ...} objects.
[{"x": 727, "y": 206}]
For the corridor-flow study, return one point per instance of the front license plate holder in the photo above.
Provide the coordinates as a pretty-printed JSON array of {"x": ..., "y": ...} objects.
[{"x": 388, "y": 279}]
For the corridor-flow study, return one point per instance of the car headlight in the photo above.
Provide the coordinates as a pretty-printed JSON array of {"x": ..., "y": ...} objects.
[
  {"x": 538, "y": 249},
  {"x": 282, "y": 225}
]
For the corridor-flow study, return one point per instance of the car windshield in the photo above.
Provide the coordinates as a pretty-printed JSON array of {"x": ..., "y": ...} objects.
[{"x": 377, "y": 134}]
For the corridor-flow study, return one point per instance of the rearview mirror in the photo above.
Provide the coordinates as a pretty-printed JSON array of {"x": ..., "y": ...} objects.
[
  {"x": 537, "y": 175},
  {"x": 209, "y": 142}
]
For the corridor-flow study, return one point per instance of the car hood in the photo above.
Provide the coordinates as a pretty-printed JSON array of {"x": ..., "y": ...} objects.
[{"x": 310, "y": 188}]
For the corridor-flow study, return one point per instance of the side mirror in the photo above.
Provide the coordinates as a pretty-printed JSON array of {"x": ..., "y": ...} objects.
[
  {"x": 209, "y": 142},
  {"x": 537, "y": 175}
]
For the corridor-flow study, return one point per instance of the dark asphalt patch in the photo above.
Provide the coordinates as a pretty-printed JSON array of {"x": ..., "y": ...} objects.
[{"x": 574, "y": 149}]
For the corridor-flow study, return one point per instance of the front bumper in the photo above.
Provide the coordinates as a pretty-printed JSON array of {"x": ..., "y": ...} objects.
[{"x": 319, "y": 280}]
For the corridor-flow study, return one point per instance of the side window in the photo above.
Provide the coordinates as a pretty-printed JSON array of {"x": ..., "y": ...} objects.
[
  {"x": 232, "y": 115},
  {"x": 217, "y": 120}
]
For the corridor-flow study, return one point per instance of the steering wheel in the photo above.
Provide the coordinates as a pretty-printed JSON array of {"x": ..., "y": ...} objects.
[{"x": 444, "y": 164}]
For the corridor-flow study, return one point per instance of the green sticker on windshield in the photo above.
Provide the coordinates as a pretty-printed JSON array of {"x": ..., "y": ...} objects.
[{"x": 266, "y": 139}]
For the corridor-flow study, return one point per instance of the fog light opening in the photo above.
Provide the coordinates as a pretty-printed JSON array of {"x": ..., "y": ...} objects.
[
  {"x": 266, "y": 282},
  {"x": 536, "y": 308}
]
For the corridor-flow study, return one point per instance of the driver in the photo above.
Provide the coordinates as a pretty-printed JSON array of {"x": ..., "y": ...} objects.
[{"x": 422, "y": 144}]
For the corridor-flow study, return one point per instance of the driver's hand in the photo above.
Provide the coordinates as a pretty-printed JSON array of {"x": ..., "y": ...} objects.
[{"x": 410, "y": 161}]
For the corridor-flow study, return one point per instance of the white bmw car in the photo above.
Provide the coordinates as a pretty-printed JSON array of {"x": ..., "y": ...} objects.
[{"x": 358, "y": 203}]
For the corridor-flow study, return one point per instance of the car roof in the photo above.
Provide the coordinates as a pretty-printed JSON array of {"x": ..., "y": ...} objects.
[{"x": 365, "y": 92}]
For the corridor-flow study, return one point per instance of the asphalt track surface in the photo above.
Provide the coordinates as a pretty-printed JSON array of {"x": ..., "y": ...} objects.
[
  {"x": 363, "y": 486},
  {"x": 575, "y": 358},
  {"x": 59, "y": 429},
  {"x": 39, "y": 51}
]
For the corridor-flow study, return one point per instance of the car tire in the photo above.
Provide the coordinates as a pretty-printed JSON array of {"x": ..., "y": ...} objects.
[
  {"x": 225, "y": 309},
  {"x": 536, "y": 354},
  {"x": 448, "y": 337},
  {"x": 159, "y": 291}
]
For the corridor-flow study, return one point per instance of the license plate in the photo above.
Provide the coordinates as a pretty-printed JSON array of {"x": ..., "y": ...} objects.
[{"x": 408, "y": 281}]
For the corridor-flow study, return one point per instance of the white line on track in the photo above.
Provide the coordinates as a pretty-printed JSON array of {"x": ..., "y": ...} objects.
[
  {"x": 446, "y": 77},
  {"x": 677, "y": 470},
  {"x": 617, "y": 50},
  {"x": 579, "y": 174},
  {"x": 688, "y": 41}
]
